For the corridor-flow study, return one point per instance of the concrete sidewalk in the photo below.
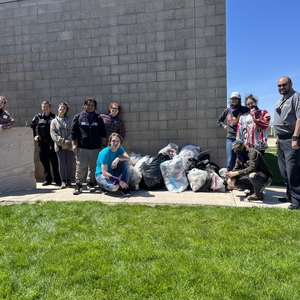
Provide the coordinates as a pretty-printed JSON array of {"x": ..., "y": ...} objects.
[{"x": 157, "y": 197}]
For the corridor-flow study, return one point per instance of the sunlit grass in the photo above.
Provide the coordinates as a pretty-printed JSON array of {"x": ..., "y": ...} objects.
[
  {"x": 271, "y": 159},
  {"x": 88, "y": 250}
]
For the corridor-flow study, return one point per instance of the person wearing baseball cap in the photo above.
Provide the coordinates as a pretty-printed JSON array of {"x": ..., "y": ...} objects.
[
  {"x": 229, "y": 120},
  {"x": 249, "y": 172}
]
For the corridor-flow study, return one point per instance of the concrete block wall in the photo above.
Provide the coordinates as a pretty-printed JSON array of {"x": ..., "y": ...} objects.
[{"x": 163, "y": 61}]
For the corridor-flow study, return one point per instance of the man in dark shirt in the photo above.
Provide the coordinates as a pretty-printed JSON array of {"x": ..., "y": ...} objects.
[
  {"x": 250, "y": 171},
  {"x": 40, "y": 125},
  {"x": 88, "y": 135}
]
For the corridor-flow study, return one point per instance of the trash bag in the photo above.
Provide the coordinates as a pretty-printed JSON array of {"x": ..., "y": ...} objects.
[
  {"x": 152, "y": 177},
  {"x": 197, "y": 178},
  {"x": 171, "y": 150},
  {"x": 174, "y": 175},
  {"x": 135, "y": 177},
  {"x": 134, "y": 157}
]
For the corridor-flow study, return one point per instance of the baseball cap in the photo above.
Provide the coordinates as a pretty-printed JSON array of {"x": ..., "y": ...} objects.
[
  {"x": 235, "y": 95},
  {"x": 237, "y": 144}
]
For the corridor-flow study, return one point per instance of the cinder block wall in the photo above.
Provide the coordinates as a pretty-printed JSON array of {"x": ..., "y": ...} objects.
[{"x": 163, "y": 61}]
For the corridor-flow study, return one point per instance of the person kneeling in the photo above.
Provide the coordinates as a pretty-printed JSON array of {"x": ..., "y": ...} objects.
[
  {"x": 112, "y": 167},
  {"x": 250, "y": 171}
]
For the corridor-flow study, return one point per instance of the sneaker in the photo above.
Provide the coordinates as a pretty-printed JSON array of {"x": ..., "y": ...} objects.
[
  {"x": 256, "y": 197},
  {"x": 126, "y": 192},
  {"x": 63, "y": 185},
  {"x": 284, "y": 199},
  {"x": 248, "y": 192},
  {"x": 294, "y": 206},
  {"x": 78, "y": 189},
  {"x": 90, "y": 186},
  {"x": 46, "y": 183}
]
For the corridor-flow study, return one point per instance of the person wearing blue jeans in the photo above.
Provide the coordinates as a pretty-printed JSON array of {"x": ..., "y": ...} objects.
[
  {"x": 112, "y": 166},
  {"x": 229, "y": 120}
]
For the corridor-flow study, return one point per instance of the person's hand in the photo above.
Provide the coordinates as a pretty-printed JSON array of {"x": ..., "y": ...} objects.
[
  {"x": 74, "y": 148},
  {"x": 36, "y": 138},
  {"x": 295, "y": 145},
  {"x": 225, "y": 127},
  {"x": 115, "y": 163},
  {"x": 123, "y": 184}
]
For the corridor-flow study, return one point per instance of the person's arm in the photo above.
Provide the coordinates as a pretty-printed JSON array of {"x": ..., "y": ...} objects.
[
  {"x": 222, "y": 118},
  {"x": 295, "y": 143},
  {"x": 7, "y": 121},
  {"x": 122, "y": 129},
  {"x": 116, "y": 180},
  {"x": 54, "y": 132}
]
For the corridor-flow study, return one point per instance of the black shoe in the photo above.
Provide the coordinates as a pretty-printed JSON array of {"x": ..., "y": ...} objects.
[
  {"x": 46, "y": 183},
  {"x": 294, "y": 206},
  {"x": 91, "y": 187},
  {"x": 126, "y": 192},
  {"x": 284, "y": 199},
  {"x": 78, "y": 189},
  {"x": 57, "y": 184}
]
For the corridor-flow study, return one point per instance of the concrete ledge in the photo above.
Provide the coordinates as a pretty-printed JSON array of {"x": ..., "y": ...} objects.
[{"x": 16, "y": 163}]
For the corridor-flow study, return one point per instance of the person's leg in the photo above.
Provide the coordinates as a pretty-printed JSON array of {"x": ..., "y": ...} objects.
[
  {"x": 292, "y": 171},
  {"x": 231, "y": 156},
  {"x": 44, "y": 158},
  {"x": 69, "y": 158},
  {"x": 81, "y": 165},
  {"x": 257, "y": 181},
  {"x": 243, "y": 183},
  {"x": 54, "y": 163},
  {"x": 106, "y": 184},
  {"x": 61, "y": 164},
  {"x": 124, "y": 169},
  {"x": 92, "y": 159}
]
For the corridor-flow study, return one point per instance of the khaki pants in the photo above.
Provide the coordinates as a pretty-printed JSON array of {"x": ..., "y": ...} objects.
[{"x": 86, "y": 164}]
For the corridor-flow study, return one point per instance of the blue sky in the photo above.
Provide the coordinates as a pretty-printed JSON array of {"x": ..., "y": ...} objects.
[{"x": 263, "y": 44}]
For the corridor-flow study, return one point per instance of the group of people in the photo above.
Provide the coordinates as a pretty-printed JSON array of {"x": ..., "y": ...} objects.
[
  {"x": 246, "y": 141},
  {"x": 96, "y": 140},
  {"x": 59, "y": 138}
]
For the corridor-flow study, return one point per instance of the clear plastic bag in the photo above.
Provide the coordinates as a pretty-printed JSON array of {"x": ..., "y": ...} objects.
[
  {"x": 197, "y": 179},
  {"x": 174, "y": 175}
]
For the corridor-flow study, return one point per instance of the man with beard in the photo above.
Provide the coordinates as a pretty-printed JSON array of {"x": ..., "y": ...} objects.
[
  {"x": 287, "y": 130},
  {"x": 250, "y": 171},
  {"x": 232, "y": 115}
]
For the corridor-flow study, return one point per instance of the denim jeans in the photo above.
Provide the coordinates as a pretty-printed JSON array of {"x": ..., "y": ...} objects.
[
  {"x": 122, "y": 168},
  {"x": 231, "y": 156}
]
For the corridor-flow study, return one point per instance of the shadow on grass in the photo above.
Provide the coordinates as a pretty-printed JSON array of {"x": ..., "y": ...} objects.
[{"x": 271, "y": 160}]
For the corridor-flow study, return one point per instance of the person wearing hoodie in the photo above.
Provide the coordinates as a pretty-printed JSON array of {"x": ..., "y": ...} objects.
[
  {"x": 229, "y": 120},
  {"x": 112, "y": 121},
  {"x": 249, "y": 172},
  {"x": 253, "y": 126}
]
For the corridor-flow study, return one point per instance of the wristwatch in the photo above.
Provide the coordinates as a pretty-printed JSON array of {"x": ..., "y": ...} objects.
[{"x": 295, "y": 138}]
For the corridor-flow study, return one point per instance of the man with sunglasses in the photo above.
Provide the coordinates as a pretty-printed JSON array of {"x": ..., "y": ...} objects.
[{"x": 287, "y": 130}]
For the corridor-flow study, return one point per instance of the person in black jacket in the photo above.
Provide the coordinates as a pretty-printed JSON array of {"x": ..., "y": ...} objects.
[
  {"x": 250, "y": 171},
  {"x": 88, "y": 135},
  {"x": 40, "y": 125},
  {"x": 229, "y": 120}
]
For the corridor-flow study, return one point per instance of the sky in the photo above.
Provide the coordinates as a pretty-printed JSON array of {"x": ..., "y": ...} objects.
[{"x": 263, "y": 45}]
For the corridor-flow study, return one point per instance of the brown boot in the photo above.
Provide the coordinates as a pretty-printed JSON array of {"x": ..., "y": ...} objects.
[{"x": 256, "y": 197}]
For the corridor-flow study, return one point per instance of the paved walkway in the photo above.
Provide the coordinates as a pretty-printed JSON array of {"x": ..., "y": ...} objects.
[{"x": 158, "y": 197}]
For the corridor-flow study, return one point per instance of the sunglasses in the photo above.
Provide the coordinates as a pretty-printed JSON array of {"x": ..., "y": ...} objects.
[{"x": 282, "y": 85}]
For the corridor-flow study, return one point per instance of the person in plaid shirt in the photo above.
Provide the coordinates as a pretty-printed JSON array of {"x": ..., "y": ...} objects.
[
  {"x": 112, "y": 121},
  {"x": 6, "y": 120}
]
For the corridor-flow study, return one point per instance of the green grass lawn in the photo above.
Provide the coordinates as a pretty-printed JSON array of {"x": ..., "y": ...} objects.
[
  {"x": 271, "y": 159},
  {"x": 88, "y": 250}
]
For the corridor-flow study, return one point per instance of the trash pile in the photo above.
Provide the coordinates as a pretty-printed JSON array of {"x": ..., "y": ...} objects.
[{"x": 177, "y": 171}]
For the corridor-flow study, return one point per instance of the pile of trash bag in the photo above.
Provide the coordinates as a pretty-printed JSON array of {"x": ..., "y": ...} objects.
[{"x": 176, "y": 170}]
